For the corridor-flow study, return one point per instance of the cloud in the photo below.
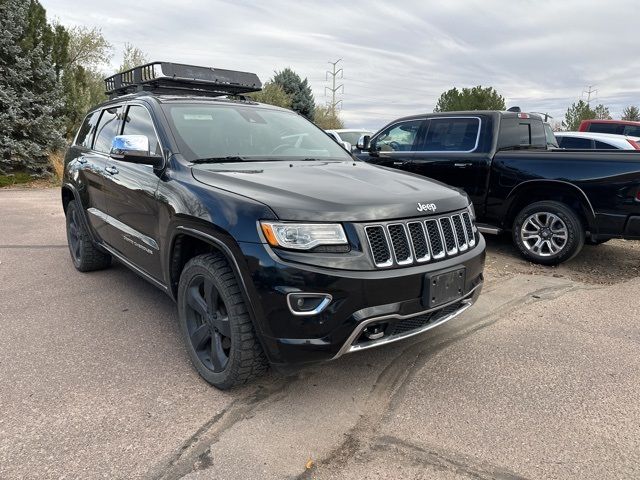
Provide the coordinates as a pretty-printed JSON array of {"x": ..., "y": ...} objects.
[{"x": 397, "y": 56}]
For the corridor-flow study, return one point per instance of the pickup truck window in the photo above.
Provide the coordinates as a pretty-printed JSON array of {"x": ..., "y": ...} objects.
[
  {"x": 138, "y": 122},
  {"x": 399, "y": 137},
  {"x": 85, "y": 134},
  {"x": 230, "y": 130},
  {"x": 108, "y": 128},
  {"x": 631, "y": 131},
  {"x": 456, "y": 134},
  {"x": 577, "y": 143}
]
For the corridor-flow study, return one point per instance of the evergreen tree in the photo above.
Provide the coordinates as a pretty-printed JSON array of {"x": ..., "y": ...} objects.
[
  {"x": 576, "y": 113},
  {"x": 302, "y": 100},
  {"x": 476, "y": 98},
  {"x": 631, "y": 113},
  {"x": 29, "y": 92}
]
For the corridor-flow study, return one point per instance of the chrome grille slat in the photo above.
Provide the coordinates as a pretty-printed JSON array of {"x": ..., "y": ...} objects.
[
  {"x": 459, "y": 233},
  {"x": 468, "y": 226},
  {"x": 400, "y": 243},
  {"x": 407, "y": 242},
  {"x": 419, "y": 241},
  {"x": 379, "y": 245}
]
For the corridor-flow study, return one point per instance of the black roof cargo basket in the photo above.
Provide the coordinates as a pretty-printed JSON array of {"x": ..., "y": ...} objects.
[{"x": 179, "y": 79}]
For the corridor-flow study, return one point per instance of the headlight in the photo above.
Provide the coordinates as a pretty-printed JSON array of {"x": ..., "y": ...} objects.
[{"x": 303, "y": 236}]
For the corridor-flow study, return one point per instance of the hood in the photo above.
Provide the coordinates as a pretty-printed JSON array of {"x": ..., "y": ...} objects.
[{"x": 331, "y": 191}]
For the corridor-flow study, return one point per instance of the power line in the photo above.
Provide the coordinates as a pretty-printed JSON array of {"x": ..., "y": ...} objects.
[{"x": 334, "y": 72}]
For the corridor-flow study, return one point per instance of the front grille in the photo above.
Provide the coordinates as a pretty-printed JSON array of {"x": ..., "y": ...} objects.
[{"x": 414, "y": 241}]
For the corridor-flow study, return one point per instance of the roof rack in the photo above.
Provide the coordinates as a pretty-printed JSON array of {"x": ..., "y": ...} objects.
[{"x": 180, "y": 79}]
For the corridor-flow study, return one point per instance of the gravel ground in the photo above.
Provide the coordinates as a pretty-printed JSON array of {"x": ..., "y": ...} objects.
[{"x": 606, "y": 264}]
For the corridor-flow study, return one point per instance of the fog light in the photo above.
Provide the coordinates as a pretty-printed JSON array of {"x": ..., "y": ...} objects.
[{"x": 308, "y": 303}]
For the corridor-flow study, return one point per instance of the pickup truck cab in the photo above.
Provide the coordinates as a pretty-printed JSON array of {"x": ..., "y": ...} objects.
[
  {"x": 277, "y": 245},
  {"x": 552, "y": 201}
]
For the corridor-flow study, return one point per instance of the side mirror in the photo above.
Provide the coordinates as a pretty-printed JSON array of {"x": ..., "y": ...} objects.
[
  {"x": 364, "y": 143},
  {"x": 134, "y": 149}
]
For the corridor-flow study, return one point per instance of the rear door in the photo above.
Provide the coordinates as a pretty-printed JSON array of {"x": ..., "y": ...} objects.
[
  {"x": 394, "y": 146},
  {"x": 449, "y": 151},
  {"x": 131, "y": 202}
]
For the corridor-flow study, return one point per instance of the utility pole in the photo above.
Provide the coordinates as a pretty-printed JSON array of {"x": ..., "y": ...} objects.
[
  {"x": 589, "y": 91},
  {"x": 335, "y": 73}
]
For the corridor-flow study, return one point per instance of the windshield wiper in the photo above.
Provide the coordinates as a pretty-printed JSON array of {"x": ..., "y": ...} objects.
[{"x": 219, "y": 159}]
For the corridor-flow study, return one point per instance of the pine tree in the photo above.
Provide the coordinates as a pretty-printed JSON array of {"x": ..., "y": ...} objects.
[
  {"x": 302, "y": 100},
  {"x": 29, "y": 93}
]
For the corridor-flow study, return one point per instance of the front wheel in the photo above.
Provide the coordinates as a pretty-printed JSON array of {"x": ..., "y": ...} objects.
[
  {"x": 215, "y": 323},
  {"x": 548, "y": 233}
]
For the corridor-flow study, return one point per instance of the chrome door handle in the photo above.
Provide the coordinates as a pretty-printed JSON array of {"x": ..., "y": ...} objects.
[
  {"x": 111, "y": 170},
  {"x": 399, "y": 163},
  {"x": 461, "y": 165}
]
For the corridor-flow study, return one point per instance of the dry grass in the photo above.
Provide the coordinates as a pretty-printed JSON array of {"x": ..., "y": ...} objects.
[{"x": 56, "y": 159}]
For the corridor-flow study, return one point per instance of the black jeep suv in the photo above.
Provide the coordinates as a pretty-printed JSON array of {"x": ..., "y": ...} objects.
[{"x": 277, "y": 245}]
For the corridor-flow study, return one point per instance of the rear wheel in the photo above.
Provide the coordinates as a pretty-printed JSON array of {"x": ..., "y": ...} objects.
[
  {"x": 85, "y": 254},
  {"x": 548, "y": 232},
  {"x": 215, "y": 323}
]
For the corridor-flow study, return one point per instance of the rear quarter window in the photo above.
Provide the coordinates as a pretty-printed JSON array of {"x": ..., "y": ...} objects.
[{"x": 84, "y": 138}]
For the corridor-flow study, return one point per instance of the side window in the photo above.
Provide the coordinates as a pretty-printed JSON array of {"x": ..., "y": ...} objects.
[
  {"x": 604, "y": 146},
  {"x": 632, "y": 130},
  {"x": 451, "y": 135},
  {"x": 605, "y": 128},
  {"x": 577, "y": 143},
  {"x": 85, "y": 134},
  {"x": 399, "y": 137},
  {"x": 108, "y": 128},
  {"x": 138, "y": 122}
]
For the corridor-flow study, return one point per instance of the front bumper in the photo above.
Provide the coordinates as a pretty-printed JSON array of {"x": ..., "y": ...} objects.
[{"x": 359, "y": 299}]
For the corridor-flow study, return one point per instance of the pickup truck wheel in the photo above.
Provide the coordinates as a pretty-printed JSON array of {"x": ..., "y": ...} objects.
[
  {"x": 85, "y": 254},
  {"x": 215, "y": 324},
  {"x": 548, "y": 233}
]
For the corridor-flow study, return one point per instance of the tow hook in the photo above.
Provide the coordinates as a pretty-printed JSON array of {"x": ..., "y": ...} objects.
[{"x": 374, "y": 332}]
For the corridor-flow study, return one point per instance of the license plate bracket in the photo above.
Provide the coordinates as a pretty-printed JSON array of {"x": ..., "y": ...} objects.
[{"x": 443, "y": 286}]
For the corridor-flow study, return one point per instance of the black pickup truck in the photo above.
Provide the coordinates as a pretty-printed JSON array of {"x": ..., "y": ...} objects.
[
  {"x": 275, "y": 243},
  {"x": 551, "y": 200}
]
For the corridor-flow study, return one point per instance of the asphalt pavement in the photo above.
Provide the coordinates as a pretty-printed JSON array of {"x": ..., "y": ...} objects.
[{"x": 540, "y": 379}]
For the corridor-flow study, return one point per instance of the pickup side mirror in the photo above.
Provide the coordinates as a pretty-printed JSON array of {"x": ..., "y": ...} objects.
[
  {"x": 364, "y": 142},
  {"x": 134, "y": 149}
]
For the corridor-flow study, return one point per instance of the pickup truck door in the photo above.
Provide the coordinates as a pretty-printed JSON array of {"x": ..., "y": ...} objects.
[
  {"x": 447, "y": 151},
  {"x": 394, "y": 146},
  {"x": 131, "y": 199}
]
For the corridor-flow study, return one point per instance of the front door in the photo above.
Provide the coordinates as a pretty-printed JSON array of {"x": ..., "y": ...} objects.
[
  {"x": 447, "y": 151},
  {"x": 131, "y": 199}
]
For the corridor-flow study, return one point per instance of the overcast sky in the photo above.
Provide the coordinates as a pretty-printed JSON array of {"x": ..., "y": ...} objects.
[{"x": 398, "y": 56}]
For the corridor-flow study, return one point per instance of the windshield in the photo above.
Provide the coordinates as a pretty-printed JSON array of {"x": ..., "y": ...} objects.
[{"x": 247, "y": 133}]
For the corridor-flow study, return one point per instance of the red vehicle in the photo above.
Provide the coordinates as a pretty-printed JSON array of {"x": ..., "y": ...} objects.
[{"x": 619, "y": 127}]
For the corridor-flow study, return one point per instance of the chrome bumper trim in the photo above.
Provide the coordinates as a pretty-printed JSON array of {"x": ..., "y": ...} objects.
[{"x": 348, "y": 347}]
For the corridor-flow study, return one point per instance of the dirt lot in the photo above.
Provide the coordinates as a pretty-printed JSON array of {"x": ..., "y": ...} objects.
[{"x": 540, "y": 379}]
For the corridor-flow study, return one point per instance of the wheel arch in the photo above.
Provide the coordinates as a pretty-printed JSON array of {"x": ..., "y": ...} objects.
[{"x": 532, "y": 191}]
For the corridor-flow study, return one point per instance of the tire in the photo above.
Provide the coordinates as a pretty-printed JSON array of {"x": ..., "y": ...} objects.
[
  {"x": 548, "y": 233},
  {"x": 86, "y": 256},
  {"x": 215, "y": 323}
]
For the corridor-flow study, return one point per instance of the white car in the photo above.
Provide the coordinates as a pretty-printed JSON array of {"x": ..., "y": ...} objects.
[
  {"x": 597, "y": 141},
  {"x": 348, "y": 135}
]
